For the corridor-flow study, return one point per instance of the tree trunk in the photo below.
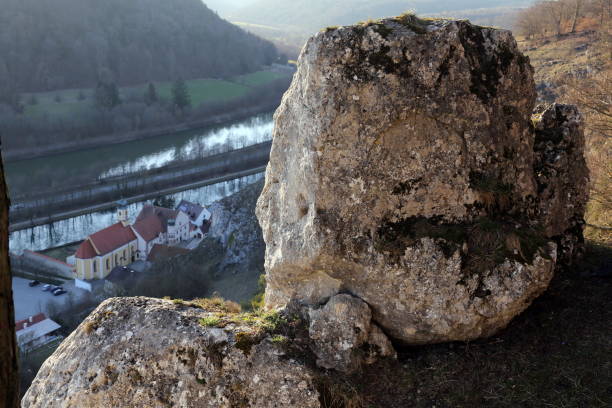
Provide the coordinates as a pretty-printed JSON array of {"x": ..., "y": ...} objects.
[
  {"x": 577, "y": 8},
  {"x": 9, "y": 378}
]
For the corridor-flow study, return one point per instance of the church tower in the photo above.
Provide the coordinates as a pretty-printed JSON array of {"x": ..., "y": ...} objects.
[{"x": 122, "y": 212}]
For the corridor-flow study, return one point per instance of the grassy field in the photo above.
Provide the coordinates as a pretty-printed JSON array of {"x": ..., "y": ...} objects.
[
  {"x": 72, "y": 101},
  {"x": 61, "y": 253}
]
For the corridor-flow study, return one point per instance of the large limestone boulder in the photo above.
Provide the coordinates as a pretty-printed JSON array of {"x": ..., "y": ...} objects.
[
  {"x": 140, "y": 352},
  {"x": 402, "y": 172},
  {"x": 137, "y": 352}
]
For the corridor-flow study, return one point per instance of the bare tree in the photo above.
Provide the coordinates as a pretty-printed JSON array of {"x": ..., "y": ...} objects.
[
  {"x": 594, "y": 96},
  {"x": 530, "y": 22},
  {"x": 606, "y": 9},
  {"x": 556, "y": 11},
  {"x": 576, "y": 7}
]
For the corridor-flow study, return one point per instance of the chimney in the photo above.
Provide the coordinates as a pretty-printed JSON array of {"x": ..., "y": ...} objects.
[{"x": 30, "y": 319}]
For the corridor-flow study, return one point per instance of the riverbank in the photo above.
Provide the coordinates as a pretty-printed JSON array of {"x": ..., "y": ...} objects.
[
  {"x": 80, "y": 204},
  {"x": 119, "y": 138}
]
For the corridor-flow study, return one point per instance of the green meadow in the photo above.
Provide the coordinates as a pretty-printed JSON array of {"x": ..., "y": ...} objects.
[{"x": 72, "y": 101}]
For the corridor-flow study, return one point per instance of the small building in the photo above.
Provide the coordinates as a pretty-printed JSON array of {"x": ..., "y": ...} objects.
[
  {"x": 36, "y": 331},
  {"x": 114, "y": 246},
  {"x": 199, "y": 217},
  {"x": 122, "y": 244},
  {"x": 158, "y": 225}
]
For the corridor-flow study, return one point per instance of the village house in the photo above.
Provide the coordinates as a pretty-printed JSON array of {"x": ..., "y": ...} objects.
[
  {"x": 114, "y": 246},
  {"x": 123, "y": 243},
  {"x": 199, "y": 217},
  {"x": 157, "y": 225},
  {"x": 36, "y": 331}
]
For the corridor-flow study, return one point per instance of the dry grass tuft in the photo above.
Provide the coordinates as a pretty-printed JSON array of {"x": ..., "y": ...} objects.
[{"x": 89, "y": 327}]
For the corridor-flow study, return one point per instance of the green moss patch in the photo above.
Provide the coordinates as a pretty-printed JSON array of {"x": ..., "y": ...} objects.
[
  {"x": 414, "y": 23},
  {"x": 483, "y": 244},
  {"x": 210, "y": 321}
]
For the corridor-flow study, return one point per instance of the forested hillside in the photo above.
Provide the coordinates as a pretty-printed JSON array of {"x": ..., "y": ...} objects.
[
  {"x": 224, "y": 7},
  {"x": 59, "y": 44}
]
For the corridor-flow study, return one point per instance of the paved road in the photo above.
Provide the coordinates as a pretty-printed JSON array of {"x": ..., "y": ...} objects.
[{"x": 30, "y": 301}]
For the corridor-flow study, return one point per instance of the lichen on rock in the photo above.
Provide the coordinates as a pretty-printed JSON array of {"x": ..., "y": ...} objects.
[
  {"x": 154, "y": 353},
  {"x": 405, "y": 170},
  {"x": 344, "y": 336}
]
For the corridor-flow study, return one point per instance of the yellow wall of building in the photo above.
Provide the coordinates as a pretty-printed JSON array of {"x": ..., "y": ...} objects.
[{"x": 105, "y": 264}]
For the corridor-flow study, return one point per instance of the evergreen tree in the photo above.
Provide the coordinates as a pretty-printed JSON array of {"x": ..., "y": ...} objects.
[
  {"x": 165, "y": 202},
  {"x": 180, "y": 95},
  {"x": 151, "y": 95},
  {"x": 107, "y": 95}
]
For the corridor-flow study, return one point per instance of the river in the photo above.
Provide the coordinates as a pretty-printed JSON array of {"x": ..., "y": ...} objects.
[
  {"x": 74, "y": 229},
  {"x": 62, "y": 170},
  {"x": 29, "y": 175}
]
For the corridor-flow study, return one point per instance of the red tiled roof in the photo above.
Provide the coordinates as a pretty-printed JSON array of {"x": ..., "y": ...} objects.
[
  {"x": 85, "y": 251},
  {"x": 111, "y": 238},
  {"x": 149, "y": 227},
  {"x": 20, "y": 325},
  {"x": 166, "y": 213}
]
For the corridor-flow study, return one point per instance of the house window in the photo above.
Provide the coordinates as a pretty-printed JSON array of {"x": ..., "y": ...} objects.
[
  {"x": 107, "y": 263},
  {"x": 94, "y": 265},
  {"x": 116, "y": 259}
]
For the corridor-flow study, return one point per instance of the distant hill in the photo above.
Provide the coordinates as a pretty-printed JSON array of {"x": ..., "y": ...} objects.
[
  {"x": 317, "y": 14},
  {"x": 225, "y": 7},
  {"x": 289, "y": 23},
  {"x": 48, "y": 45}
]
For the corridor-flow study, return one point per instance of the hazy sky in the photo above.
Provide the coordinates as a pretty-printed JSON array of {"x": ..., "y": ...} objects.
[{"x": 227, "y": 6}]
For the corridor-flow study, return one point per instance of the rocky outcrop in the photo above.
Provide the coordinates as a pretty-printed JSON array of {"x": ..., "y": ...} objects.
[
  {"x": 138, "y": 352},
  {"x": 235, "y": 226},
  {"x": 344, "y": 336},
  {"x": 405, "y": 170},
  {"x": 562, "y": 177},
  {"x": 141, "y": 352}
]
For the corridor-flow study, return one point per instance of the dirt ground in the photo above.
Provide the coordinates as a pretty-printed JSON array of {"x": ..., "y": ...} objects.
[{"x": 556, "y": 354}]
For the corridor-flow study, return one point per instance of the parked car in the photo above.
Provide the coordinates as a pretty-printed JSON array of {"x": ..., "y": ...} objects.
[
  {"x": 47, "y": 288},
  {"x": 34, "y": 283},
  {"x": 55, "y": 289},
  {"x": 59, "y": 292}
]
